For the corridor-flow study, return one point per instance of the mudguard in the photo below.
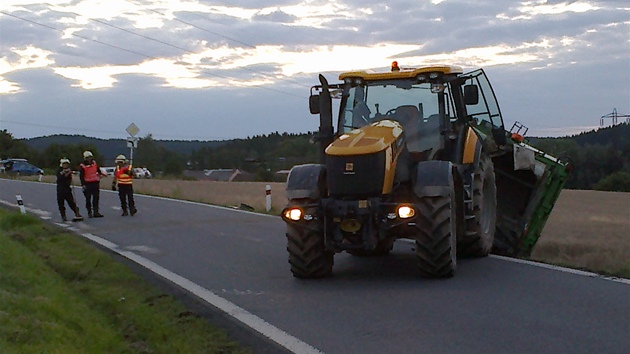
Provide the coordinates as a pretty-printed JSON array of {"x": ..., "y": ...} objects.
[
  {"x": 433, "y": 178},
  {"x": 306, "y": 182}
]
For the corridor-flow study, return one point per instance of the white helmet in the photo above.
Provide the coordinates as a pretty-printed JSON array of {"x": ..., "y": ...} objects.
[
  {"x": 121, "y": 158},
  {"x": 87, "y": 154},
  {"x": 62, "y": 161}
]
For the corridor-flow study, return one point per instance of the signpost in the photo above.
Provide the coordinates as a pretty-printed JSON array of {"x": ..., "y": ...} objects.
[{"x": 132, "y": 141}]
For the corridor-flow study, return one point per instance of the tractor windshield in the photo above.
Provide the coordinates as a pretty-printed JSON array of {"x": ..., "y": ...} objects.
[{"x": 416, "y": 106}]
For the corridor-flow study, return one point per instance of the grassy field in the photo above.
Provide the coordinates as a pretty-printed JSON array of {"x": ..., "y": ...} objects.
[
  {"x": 586, "y": 230},
  {"x": 59, "y": 294}
]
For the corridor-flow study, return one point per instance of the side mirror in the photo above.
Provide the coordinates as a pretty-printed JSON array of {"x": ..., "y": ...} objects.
[
  {"x": 313, "y": 104},
  {"x": 471, "y": 95}
]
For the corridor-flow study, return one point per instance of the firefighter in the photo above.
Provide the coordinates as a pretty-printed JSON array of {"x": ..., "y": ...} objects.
[
  {"x": 90, "y": 175},
  {"x": 123, "y": 176},
  {"x": 64, "y": 191}
]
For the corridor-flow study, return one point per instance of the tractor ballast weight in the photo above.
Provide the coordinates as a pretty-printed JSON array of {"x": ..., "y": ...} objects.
[{"x": 421, "y": 154}]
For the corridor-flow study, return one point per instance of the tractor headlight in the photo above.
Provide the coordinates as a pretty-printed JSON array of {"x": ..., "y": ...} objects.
[
  {"x": 405, "y": 212},
  {"x": 294, "y": 214}
]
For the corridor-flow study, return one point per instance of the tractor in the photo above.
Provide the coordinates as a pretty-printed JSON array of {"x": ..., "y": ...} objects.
[{"x": 419, "y": 154}]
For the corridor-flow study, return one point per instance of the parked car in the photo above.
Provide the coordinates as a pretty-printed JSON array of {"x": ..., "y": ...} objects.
[
  {"x": 142, "y": 172},
  {"x": 108, "y": 170},
  {"x": 19, "y": 167}
]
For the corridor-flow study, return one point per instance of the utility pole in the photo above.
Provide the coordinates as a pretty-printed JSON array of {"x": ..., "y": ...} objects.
[{"x": 614, "y": 116}]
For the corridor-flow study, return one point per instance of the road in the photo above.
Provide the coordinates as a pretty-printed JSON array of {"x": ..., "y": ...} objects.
[{"x": 370, "y": 305}]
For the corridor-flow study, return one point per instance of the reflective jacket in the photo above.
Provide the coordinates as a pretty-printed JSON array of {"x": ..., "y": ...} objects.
[
  {"x": 124, "y": 174},
  {"x": 89, "y": 173}
]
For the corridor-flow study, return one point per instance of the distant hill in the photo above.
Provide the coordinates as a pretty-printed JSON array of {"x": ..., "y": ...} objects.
[{"x": 110, "y": 148}]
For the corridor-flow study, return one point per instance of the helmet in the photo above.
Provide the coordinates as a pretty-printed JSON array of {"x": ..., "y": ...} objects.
[
  {"x": 62, "y": 161},
  {"x": 87, "y": 154},
  {"x": 121, "y": 158}
]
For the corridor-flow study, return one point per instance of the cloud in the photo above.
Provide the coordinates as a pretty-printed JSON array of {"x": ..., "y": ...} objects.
[{"x": 560, "y": 59}]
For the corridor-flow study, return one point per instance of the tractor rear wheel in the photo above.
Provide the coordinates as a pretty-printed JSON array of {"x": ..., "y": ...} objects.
[
  {"x": 308, "y": 255},
  {"x": 436, "y": 237},
  {"x": 482, "y": 214}
]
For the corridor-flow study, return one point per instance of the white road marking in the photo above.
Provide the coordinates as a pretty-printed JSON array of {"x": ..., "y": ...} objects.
[{"x": 252, "y": 321}]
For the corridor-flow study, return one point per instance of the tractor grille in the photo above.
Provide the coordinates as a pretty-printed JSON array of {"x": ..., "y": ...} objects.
[{"x": 356, "y": 175}]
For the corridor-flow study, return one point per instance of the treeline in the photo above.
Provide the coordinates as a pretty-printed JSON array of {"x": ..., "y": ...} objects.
[
  {"x": 601, "y": 158},
  {"x": 149, "y": 153},
  {"x": 262, "y": 155}
]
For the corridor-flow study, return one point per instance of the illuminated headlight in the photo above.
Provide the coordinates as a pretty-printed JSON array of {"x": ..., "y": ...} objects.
[
  {"x": 421, "y": 77},
  {"x": 405, "y": 212},
  {"x": 294, "y": 214}
]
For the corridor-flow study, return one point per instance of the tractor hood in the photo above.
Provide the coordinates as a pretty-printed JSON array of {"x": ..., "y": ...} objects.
[{"x": 369, "y": 139}]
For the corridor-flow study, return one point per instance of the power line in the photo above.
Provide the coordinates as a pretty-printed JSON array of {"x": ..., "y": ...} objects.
[
  {"x": 78, "y": 35},
  {"x": 141, "y": 54}
]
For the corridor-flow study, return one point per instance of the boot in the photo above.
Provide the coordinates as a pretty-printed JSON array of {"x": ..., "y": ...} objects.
[
  {"x": 77, "y": 216},
  {"x": 90, "y": 213},
  {"x": 133, "y": 211},
  {"x": 125, "y": 213},
  {"x": 97, "y": 214},
  {"x": 63, "y": 216}
]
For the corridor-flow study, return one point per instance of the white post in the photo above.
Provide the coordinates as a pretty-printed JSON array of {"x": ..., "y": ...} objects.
[
  {"x": 20, "y": 204},
  {"x": 39, "y": 179},
  {"x": 268, "y": 197}
]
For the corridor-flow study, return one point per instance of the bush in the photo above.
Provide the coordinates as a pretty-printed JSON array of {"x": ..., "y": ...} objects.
[{"x": 616, "y": 182}]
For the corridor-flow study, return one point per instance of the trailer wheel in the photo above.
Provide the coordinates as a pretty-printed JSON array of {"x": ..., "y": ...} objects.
[
  {"x": 308, "y": 255},
  {"x": 482, "y": 214},
  {"x": 436, "y": 237}
]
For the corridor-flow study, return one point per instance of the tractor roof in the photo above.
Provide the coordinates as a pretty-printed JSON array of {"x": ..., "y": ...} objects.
[{"x": 401, "y": 73}]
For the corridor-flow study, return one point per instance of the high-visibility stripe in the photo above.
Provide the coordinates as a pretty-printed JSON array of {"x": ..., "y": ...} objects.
[{"x": 123, "y": 175}]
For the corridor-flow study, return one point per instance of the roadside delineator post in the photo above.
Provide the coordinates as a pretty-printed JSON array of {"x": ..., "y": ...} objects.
[
  {"x": 268, "y": 197},
  {"x": 20, "y": 203}
]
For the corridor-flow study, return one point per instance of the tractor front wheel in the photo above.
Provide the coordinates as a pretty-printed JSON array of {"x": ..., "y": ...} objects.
[
  {"x": 436, "y": 237},
  {"x": 308, "y": 255}
]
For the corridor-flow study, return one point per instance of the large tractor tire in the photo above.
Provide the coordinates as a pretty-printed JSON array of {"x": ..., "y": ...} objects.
[
  {"x": 481, "y": 216},
  {"x": 308, "y": 255},
  {"x": 436, "y": 237}
]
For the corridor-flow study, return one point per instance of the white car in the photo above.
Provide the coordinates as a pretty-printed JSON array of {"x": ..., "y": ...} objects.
[
  {"x": 108, "y": 170},
  {"x": 142, "y": 172}
]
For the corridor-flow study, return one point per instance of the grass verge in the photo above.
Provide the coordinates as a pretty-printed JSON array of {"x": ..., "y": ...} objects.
[{"x": 59, "y": 294}]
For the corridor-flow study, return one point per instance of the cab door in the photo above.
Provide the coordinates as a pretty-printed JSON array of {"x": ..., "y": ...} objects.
[{"x": 486, "y": 112}]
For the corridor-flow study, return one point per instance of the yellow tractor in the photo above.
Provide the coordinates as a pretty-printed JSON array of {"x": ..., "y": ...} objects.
[{"x": 417, "y": 153}]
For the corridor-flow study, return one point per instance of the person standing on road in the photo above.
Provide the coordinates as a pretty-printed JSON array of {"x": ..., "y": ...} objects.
[
  {"x": 90, "y": 175},
  {"x": 64, "y": 191},
  {"x": 123, "y": 176}
]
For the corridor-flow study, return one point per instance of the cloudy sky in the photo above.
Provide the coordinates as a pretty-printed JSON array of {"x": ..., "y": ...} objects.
[{"x": 210, "y": 69}]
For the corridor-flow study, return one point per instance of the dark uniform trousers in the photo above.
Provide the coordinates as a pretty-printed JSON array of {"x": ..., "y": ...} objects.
[
  {"x": 125, "y": 192},
  {"x": 65, "y": 195},
  {"x": 92, "y": 194}
]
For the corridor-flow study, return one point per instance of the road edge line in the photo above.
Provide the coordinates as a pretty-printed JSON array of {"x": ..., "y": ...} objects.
[{"x": 252, "y": 321}]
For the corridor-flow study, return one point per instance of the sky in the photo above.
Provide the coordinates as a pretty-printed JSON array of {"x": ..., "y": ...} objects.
[{"x": 215, "y": 70}]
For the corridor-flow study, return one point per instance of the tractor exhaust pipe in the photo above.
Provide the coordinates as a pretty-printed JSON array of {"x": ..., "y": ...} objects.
[{"x": 326, "y": 131}]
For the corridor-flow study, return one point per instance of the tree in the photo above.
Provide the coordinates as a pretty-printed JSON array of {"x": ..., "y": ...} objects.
[{"x": 616, "y": 182}]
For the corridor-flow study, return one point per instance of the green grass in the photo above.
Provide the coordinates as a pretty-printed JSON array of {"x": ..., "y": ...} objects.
[{"x": 59, "y": 294}]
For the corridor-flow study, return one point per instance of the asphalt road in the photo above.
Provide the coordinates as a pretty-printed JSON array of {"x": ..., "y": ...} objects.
[{"x": 370, "y": 305}]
